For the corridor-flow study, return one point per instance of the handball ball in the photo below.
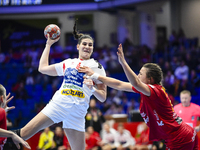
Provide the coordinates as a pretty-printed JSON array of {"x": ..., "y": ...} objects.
[{"x": 53, "y": 31}]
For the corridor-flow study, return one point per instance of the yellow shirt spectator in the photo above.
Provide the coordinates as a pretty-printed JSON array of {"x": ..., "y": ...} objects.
[{"x": 46, "y": 139}]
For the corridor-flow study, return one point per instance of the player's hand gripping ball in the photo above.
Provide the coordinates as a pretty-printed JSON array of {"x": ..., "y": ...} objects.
[{"x": 53, "y": 31}]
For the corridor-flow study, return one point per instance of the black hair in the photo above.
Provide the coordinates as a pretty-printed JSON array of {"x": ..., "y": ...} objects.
[
  {"x": 80, "y": 36},
  {"x": 154, "y": 71}
]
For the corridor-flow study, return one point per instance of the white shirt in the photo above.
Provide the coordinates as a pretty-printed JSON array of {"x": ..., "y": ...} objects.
[
  {"x": 124, "y": 139},
  {"x": 109, "y": 137},
  {"x": 72, "y": 89},
  {"x": 182, "y": 72}
]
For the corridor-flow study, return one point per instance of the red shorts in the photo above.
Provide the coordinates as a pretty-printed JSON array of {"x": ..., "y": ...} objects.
[{"x": 185, "y": 139}]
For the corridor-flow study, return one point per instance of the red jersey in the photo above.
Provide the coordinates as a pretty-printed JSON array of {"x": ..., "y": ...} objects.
[
  {"x": 158, "y": 113},
  {"x": 3, "y": 125},
  {"x": 189, "y": 114},
  {"x": 144, "y": 138}
]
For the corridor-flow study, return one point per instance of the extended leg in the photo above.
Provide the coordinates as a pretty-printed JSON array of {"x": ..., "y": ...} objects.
[
  {"x": 76, "y": 139},
  {"x": 39, "y": 122}
]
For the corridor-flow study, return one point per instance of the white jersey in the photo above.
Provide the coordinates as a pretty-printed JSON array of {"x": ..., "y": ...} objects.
[{"x": 72, "y": 89}]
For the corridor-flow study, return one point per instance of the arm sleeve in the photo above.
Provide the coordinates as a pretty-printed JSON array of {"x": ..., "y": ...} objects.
[
  {"x": 101, "y": 72},
  {"x": 60, "y": 67}
]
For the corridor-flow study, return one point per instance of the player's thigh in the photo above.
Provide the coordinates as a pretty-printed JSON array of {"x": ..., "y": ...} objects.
[
  {"x": 76, "y": 139},
  {"x": 39, "y": 122}
]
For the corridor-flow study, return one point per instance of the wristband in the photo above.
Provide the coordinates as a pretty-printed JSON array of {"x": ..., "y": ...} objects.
[
  {"x": 93, "y": 89},
  {"x": 6, "y": 109},
  {"x": 95, "y": 76}
]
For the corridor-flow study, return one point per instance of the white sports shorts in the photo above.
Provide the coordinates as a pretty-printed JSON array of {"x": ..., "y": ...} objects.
[{"x": 72, "y": 115}]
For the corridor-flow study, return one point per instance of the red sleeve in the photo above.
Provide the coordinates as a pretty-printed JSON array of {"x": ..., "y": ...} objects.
[
  {"x": 150, "y": 87},
  {"x": 136, "y": 91},
  {"x": 2, "y": 116},
  {"x": 3, "y": 124}
]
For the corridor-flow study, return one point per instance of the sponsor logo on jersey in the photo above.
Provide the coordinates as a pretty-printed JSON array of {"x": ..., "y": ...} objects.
[
  {"x": 71, "y": 92},
  {"x": 72, "y": 87}
]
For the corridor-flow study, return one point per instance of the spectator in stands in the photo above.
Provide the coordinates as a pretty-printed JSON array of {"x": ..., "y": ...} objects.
[
  {"x": 194, "y": 79},
  {"x": 142, "y": 141},
  {"x": 112, "y": 109},
  {"x": 169, "y": 81},
  {"x": 94, "y": 116},
  {"x": 188, "y": 111},
  {"x": 93, "y": 139},
  {"x": 123, "y": 139},
  {"x": 191, "y": 61},
  {"x": 46, "y": 140},
  {"x": 174, "y": 63},
  {"x": 182, "y": 73},
  {"x": 114, "y": 96},
  {"x": 108, "y": 135},
  {"x": 92, "y": 132},
  {"x": 166, "y": 67},
  {"x": 158, "y": 145},
  {"x": 58, "y": 139}
]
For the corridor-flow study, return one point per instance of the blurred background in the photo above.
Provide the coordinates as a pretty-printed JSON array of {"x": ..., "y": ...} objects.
[{"x": 165, "y": 32}]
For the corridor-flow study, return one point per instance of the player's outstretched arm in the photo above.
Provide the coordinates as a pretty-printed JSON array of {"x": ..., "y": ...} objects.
[
  {"x": 130, "y": 74},
  {"x": 111, "y": 82},
  {"x": 44, "y": 66},
  {"x": 16, "y": 139}
]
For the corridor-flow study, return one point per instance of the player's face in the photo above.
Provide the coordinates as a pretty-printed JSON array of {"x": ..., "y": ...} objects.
[
  {"x": 142, "y": 75},
  {"x": 85, "y": 49},
  {"x": 185, "y": 99}
]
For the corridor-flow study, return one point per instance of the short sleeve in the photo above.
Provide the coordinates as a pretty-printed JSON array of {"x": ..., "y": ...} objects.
[
  {"x": 151, "y": 87},
  {"x": 60, "y": 68},
  {"x": 136, "y": 91},
  {"x": 101, "y": 72}
]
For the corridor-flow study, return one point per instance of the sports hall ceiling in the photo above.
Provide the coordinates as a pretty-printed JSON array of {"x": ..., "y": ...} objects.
[{"x": 45, "y": 6}]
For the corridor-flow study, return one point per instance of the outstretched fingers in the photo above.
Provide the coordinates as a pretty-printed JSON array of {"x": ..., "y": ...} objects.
[
  {"x": 8, "y": 99},
  {"x": 16, "y": 139},
  {"x": 120, "y": 54}
]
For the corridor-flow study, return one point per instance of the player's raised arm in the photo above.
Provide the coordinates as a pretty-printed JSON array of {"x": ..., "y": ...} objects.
[
  {"x": 132, "y": 77},
  {"x": 44, "y": 66}
]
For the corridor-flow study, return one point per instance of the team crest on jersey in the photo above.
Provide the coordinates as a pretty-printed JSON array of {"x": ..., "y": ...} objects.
[
  {"x": 74, "y": 72},
  {"x": 72, "y": 76}
]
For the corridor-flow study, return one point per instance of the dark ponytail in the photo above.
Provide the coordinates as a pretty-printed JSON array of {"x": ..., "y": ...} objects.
[{"x": 79, "y": 36}]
